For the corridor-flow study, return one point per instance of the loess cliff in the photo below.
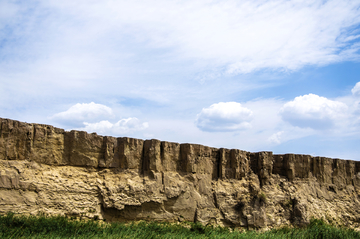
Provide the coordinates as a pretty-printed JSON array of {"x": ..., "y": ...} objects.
[{"x": 44, "y": 169}]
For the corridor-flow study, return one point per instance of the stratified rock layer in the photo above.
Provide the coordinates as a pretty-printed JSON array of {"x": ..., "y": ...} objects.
[{"x": 49, "y": 170}]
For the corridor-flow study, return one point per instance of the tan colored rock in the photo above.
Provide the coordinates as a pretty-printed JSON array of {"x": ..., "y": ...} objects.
[
  {"x": 83, "y": 149},
  {"x": 170, "y": 157},
  {"x": 130, "y": 153},
  {"x": 46, "y": 169},
  {"x": 110, "y": 158},
  {"x": 152, "y": 158},
  {"x": 15, "y": 139},
  {"x": 199, "y": 159},
  {"x": 47, "y": 145}
]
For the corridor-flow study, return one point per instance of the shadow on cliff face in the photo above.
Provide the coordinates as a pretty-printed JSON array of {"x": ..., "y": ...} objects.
[
  {"x": 150, "y": 211},
  {"x": 299, "y": 214}
]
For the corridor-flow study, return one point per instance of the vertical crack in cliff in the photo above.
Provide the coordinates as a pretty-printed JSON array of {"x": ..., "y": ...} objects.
[
  {"x": 101, "y": 201},
  {"x": 144, "y": 162},
  {"x": 196, "y": 215},
  {"x": 162, "y": 156},
  {"x": 215, "y": 200},
  {"x": 219, "y": 165},
  {"x": 32, "y": 137}
]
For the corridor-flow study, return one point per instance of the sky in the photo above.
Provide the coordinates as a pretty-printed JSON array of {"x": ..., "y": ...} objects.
[{"x": 255, "y": 75}]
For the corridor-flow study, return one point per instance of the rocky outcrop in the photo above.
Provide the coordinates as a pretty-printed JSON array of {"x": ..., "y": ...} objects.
[{"x": 49, "y": 170}]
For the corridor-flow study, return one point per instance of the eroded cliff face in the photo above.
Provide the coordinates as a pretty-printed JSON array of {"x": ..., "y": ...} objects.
[{"x": 49, "y": 170}]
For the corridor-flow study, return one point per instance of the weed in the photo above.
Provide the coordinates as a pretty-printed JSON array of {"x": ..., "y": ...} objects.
[
  {"x": 19, "y": 226},
  {"x": 288, "y": 203},
  {"x": 262, "y": 197},
  {"x": 91, "y": 210}
]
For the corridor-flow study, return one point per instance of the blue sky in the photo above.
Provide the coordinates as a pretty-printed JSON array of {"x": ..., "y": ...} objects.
[{"x": 253, "y": 75}]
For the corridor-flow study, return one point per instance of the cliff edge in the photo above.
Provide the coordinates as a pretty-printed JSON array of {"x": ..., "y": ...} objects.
[{"x": 49, "y": 170}]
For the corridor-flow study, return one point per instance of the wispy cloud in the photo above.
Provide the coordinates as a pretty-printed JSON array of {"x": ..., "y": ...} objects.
[
  {"x": 158, "y": 50},
  {"x": 240, "y": 37},
  {"x": 276, "y": 137}
]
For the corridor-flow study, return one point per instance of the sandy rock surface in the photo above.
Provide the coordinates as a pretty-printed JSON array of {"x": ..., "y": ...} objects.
[{"x": 44, "y": 169}]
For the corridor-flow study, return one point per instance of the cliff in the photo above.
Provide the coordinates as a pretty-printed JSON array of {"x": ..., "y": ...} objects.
[{"x": 47, "y": 169}]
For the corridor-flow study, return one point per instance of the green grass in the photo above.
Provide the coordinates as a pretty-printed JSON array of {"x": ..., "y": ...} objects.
[{"x": 17, "y": 226}]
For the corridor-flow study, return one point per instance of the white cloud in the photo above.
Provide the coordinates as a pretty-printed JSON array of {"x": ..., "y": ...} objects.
[
  {"x": 84, "y": 39},
  {"x": 224, "y": 116},
  {"x": 79, "y": 113},
  {"x": 94, "y": 117},
  {"x": 276, "y": 137},
  {"x": 122, "y": 127},
  {"x": 54, "y": 50},
  {"x": 7, "y": 11},
  {"x": 313, "y": 111},
  {"x": 356, "y": 90},
  {"x": 243, "y": 36}
]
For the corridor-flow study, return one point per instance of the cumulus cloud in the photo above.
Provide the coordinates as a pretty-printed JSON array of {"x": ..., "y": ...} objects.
[
  {"x": 123, "y": 126},
  {"x": 313, "y": 111},
  {"x": 85, "y": 112},
  {"x": 356, "y": 90},
  {"x": 224, "y": 116}
]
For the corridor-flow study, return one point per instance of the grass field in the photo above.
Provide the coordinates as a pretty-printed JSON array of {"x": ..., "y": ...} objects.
[{"x": 12, "y": 226}]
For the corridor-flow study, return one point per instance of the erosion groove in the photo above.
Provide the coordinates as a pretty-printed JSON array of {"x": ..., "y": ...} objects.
[{"x": 47, "y": 169}]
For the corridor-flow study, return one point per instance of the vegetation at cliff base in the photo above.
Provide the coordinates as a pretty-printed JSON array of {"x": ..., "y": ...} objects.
[{"x": 18, "y": 226}]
